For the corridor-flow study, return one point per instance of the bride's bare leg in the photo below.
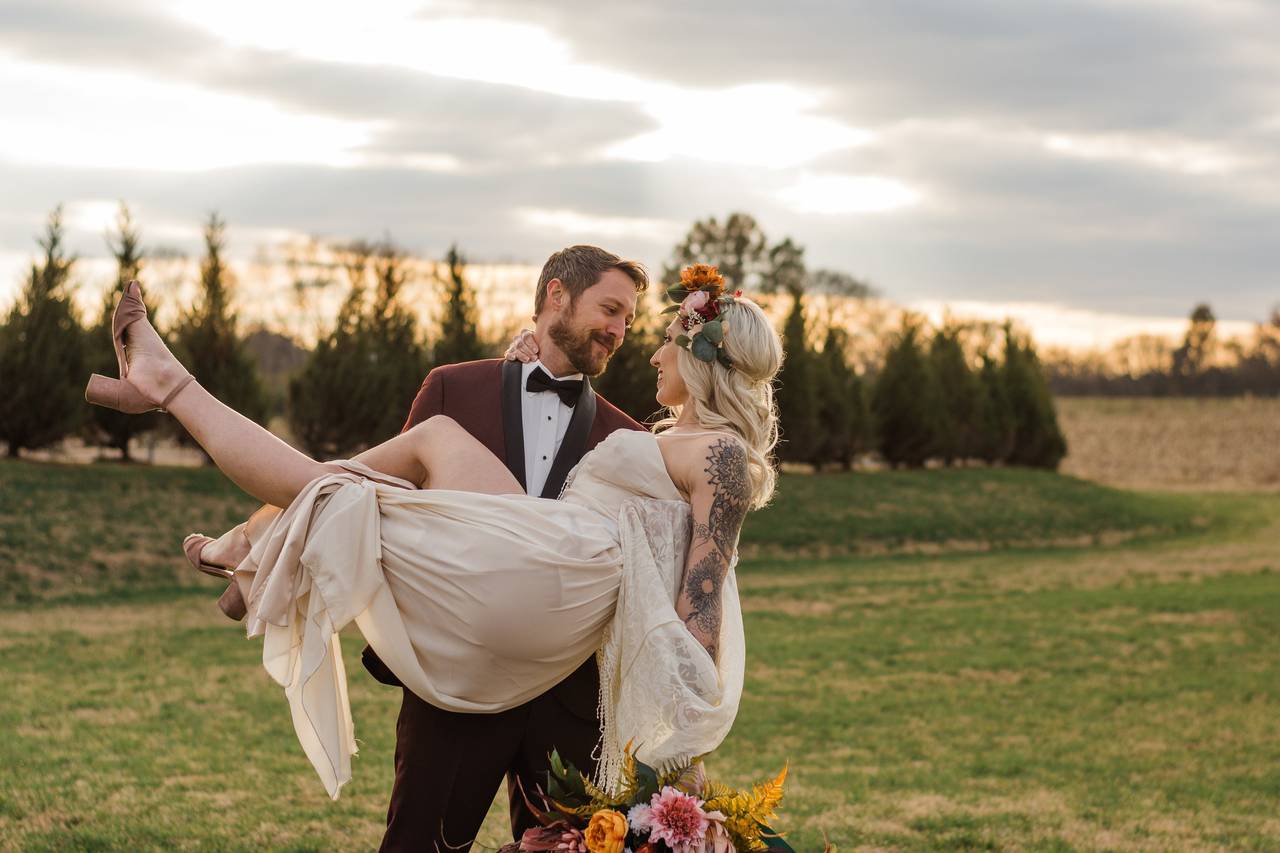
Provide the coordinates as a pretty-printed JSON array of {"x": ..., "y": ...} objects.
[
  {"x": 442, "y": 455},
  {"x": 436, "y": 453},
  {"x": 251, "y": 457},
  {"x": 272, "y": 471}
]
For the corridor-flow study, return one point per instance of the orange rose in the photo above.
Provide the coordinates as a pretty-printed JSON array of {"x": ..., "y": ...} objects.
[
  {"x": 607, "y": 832},
  {"x": 699, "y": 275}
]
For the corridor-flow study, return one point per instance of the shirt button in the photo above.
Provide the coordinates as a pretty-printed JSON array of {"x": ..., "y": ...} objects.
[
  {"x": 544, "y": 459},
  {"x": 548, "y": 417}
]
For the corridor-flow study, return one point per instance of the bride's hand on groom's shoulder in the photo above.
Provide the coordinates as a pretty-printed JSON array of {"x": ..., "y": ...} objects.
[{"x": 523, "y": 347}]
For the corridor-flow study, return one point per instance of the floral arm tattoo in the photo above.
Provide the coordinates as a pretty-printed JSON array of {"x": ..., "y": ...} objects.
[{"x": 713, "y": 542}]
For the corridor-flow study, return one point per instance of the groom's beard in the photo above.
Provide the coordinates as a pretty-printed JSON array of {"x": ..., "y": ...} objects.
[{"x": 578, "y": 346}]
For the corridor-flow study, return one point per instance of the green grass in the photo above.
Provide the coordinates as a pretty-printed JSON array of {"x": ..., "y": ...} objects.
[
  {"x": 72, "y": 531},
  {"x": 956, "y": 509},
  {"x": 87, "y": 530},
  {"x": 1109, "y": 696}
]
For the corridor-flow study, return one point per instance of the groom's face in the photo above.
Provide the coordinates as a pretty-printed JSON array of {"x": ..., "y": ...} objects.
[{"x": 590, "y": 329}]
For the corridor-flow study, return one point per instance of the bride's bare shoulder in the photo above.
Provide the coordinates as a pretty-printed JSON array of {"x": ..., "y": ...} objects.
[{"x": 697, "y": 460}]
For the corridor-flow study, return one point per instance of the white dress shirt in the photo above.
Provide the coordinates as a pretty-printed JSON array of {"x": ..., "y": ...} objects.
[{"x": 545, "y": 421}]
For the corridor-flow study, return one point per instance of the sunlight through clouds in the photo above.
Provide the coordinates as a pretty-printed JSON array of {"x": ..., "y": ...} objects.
[
  {"x": 95, "y": 215},
  {"x": 120, "y": 120},
  {"x": 1058, "y": 325},
  {"x": 1175, "y": 155},
  {"x": 766, "y": 125},
  {"x": 758, "y": 125},
  {"x": 835, "y": 195},
  {"x": 584, "y": 226}
]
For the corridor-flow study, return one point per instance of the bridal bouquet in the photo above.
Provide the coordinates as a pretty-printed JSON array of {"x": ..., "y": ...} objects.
[{"x": 676, "y": 812}]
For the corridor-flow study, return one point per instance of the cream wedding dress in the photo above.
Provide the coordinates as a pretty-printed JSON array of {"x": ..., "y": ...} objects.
[{"x": 478, "y": 603}]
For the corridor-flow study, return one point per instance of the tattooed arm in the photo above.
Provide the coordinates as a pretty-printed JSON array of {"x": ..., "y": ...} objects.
[{"x": 720, "y": 496}]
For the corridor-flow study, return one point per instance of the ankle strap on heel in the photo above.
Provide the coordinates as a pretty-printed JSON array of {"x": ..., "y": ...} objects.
[{"x": 174, "y": 393}]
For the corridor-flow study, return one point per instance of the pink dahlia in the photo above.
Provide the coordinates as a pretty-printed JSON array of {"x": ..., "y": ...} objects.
[{"x": 678, "y": 819}]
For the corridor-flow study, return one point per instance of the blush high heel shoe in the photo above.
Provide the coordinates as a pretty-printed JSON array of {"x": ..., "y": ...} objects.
[
  {"x": 120, "y": 394},
  {"x": 231, "y": 602}
]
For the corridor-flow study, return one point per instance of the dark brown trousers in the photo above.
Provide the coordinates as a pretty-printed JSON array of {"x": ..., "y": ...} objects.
[{"x": 449, "y": 766}]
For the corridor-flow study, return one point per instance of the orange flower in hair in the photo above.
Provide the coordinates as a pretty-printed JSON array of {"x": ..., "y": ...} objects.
[
  {"x": 699, "y": 299},
  {"x": 701, "y": 276}
]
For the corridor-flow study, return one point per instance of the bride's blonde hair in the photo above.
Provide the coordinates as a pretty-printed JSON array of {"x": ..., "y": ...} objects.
[{"x": 739, "y": 399}]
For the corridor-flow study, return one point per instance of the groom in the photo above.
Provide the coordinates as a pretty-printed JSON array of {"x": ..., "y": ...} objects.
[{"x": 539, "y": 419}]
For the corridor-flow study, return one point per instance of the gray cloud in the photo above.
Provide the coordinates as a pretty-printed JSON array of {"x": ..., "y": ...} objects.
[{"x": 959, "y": 93}]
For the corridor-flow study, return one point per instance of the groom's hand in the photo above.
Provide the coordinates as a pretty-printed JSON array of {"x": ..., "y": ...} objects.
[{"x": 524, "y": 348}]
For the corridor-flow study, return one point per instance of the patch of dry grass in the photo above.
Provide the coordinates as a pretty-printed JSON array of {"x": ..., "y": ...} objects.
[{"x": 1230, "y": 444}]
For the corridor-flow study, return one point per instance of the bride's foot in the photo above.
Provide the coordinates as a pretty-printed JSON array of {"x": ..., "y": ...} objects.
[
  {"x": 219, "y": 557},
  {"x": 150, "y": 375}
]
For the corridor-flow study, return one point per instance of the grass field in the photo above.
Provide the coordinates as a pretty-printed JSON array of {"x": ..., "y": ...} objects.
[{"x": 949, "y": 660}]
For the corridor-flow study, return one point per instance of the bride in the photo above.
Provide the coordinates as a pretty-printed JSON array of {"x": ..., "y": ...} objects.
[{"x": 478, "y": 596}]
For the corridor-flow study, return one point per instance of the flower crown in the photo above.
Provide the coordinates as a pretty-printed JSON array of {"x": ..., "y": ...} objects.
[{"x": 700, "y": 298}]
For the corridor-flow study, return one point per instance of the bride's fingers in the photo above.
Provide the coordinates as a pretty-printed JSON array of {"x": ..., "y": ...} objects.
[{"x": 523, "y": 348}]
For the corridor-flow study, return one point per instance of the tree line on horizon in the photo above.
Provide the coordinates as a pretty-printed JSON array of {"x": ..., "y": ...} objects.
[
  {"x": 941, "y": 396},
  {"x": 1202, "y": 365}
]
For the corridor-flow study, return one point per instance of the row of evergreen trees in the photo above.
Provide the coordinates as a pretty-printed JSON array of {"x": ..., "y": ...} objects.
[
  {"x": 935, "y": 399},
  {"x": 46, "y": 355},
  {"x": 353, "y": 389}
]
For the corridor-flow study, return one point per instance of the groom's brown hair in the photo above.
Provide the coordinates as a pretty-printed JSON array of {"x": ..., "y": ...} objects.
[{"x": 579, "y": 267}]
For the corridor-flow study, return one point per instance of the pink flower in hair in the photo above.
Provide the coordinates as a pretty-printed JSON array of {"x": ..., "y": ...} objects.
[{"x": 695, "y": 301}]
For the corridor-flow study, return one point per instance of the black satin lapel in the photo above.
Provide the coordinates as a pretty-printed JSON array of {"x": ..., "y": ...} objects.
[
  {"x": 513, "y": 420},
  {"x": 575, "y": 441}
]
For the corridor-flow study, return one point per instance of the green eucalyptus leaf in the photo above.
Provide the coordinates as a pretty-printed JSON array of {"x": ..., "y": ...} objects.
[
  {"x": 714, "y": 331},
  {"x": 723, "y": 358},
  {"x": 703, "y": 349},
  {"x": 677, "y": 293},
  {"x": 682, "y": 340},
  {"x": 671, "y": 309}
]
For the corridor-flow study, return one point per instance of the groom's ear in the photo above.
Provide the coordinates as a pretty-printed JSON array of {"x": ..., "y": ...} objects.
[{"x": 556, "y": 295}]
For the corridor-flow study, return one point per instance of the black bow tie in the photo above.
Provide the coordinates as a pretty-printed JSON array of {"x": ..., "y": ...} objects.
[{"x": 568, "y": 390}]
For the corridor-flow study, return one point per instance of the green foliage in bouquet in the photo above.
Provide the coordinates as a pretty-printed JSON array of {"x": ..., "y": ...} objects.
[{"x": 572, "y": 799}]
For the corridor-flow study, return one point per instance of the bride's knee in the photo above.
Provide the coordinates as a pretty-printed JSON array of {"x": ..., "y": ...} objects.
[{"x": 435, "y": 430}]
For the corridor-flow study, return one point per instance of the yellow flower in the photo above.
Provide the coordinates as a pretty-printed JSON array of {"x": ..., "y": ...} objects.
[{"x": 607, "y": 832}]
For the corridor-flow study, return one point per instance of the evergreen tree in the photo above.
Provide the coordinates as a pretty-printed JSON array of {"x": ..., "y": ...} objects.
[
  {"x": 995, "y": 438},
  {"x": 959, "y": 397},
  {"x": 42, "y": 361},
  {"x": 356, "y": 387},
  {"x": 629, "y": 382},
  {"x": 207, "y": 339},
  {"x": 458, "y": 341},
  {"x": 107, "y": 427},
  {"x": 330, "y": 410},
  {"x": 401, "y": 359},
  {"x": 904, "y": 403},
  {"x": 842, "y": 402},
  {"x": 799, "y": 416},
  {"x": 1037, "y": 440}
]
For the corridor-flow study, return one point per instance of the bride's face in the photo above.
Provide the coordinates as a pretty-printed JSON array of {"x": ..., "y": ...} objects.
[{"x": 671, "y": 387}]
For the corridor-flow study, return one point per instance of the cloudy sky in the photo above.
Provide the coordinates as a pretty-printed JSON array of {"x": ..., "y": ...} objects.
[{"x": 1089, "y": 157}]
